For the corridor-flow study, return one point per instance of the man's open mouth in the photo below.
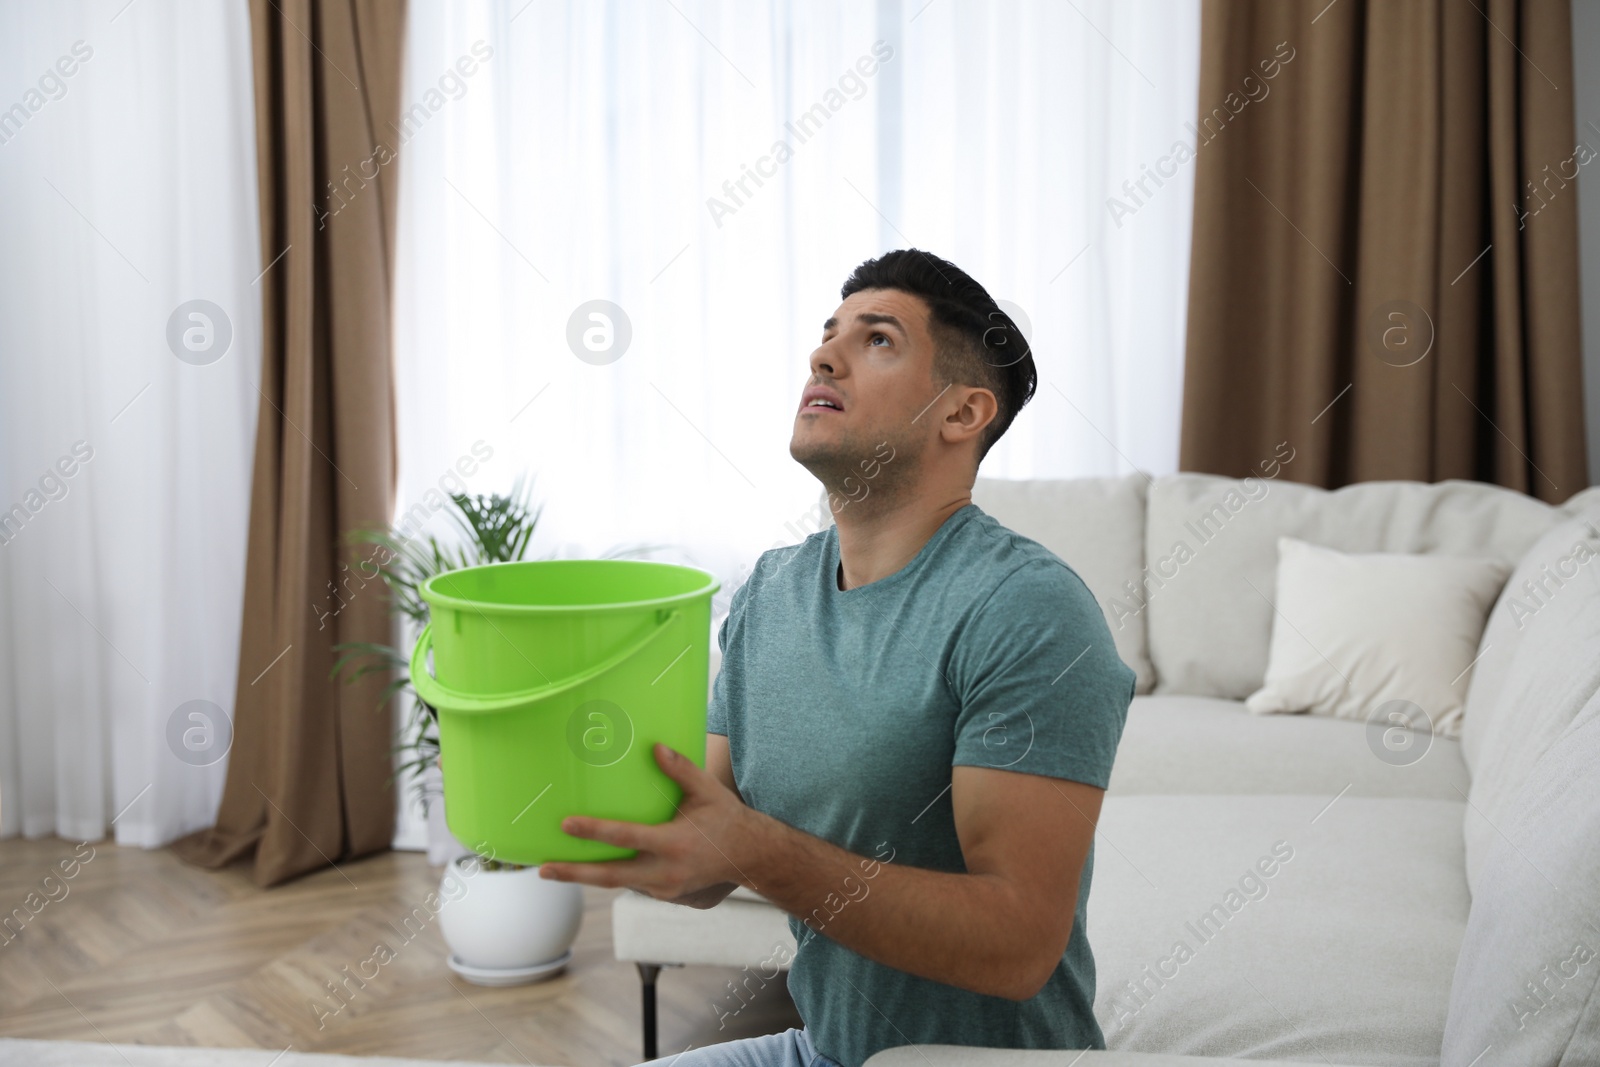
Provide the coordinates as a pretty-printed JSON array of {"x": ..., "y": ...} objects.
[{"x": 820, "y": 398}]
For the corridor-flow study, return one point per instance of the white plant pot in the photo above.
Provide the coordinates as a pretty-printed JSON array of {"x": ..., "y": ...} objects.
[{"x": 507, "y": 922}]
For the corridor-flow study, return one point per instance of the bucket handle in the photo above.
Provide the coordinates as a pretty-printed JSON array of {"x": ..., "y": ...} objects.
[{"x": 441, "y": 696}]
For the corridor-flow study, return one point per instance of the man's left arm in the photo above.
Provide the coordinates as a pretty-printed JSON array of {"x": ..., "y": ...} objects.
[{"x": 1000, "y": 928}]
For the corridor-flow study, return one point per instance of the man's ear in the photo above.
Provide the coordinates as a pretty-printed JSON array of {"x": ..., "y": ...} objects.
[{"x": 975, "y": 409}]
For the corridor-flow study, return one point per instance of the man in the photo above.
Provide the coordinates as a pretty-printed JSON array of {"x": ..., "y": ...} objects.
[{"x": 916, "y": 714}]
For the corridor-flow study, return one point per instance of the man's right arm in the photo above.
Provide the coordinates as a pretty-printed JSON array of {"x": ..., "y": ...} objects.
[{"x": 719, "y": 762}]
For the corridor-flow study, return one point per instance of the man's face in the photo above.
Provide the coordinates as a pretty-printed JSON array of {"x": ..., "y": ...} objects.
[{"x": 871, "y": 383}]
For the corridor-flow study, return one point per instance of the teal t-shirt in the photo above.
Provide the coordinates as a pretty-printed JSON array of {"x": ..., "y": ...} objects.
[{"x": 844, "y": 713}]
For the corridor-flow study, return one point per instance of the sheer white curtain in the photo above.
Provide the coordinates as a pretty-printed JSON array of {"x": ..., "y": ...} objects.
[
  {"x": 127, "y": 167},
  {"x": 561, "y": 153},
  {"x": 715, "y": 170}
]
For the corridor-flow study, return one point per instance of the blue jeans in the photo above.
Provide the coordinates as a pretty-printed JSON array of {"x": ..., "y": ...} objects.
[{"x": 792, "y": 1048}]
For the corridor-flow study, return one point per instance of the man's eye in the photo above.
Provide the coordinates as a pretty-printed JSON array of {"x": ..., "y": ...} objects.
[{"x": 877, "y": 337}]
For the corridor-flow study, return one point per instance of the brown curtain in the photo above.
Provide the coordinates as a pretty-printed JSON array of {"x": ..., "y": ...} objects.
[
  {"x": 308, "y": 777},
  {"x": 1384, "y": 272}
]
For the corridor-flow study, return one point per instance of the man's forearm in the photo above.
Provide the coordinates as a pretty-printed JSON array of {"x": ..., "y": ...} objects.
[{"x": 962, "y": 929}]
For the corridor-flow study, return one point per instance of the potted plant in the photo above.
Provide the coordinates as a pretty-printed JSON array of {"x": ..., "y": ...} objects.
[
  {"x": 494, "y": 528},
  {"x": 503, "y": 923}
]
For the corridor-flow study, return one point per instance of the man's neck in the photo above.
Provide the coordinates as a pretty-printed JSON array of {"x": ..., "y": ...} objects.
[{"x": 876, "y": 542}]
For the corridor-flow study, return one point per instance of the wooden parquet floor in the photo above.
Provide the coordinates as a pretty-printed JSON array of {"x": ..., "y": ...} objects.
[{"x": 144, "y": 949}]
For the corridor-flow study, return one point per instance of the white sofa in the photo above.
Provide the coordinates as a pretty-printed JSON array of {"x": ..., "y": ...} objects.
[{"x": 1432, "y": 909}]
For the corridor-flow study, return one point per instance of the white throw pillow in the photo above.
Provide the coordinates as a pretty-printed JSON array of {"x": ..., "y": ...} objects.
[
  {"x": 1353, "y": 633},
  {"x": 1205, "y": 536}
]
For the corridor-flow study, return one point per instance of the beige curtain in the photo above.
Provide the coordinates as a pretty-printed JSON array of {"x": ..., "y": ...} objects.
[
  {"x": 1385, "y": 268},
  {"x": 308, "y": 777}
]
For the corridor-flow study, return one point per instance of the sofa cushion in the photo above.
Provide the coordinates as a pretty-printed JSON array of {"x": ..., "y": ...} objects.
[
  {"x": 1566, "y": 549},
  {"x": 1178, "y": 744},
  {"x": 1355, "y": 632},
  {"x": 1277, "y": 926},
  {"x": 1525, "y": 985},
  {"x": 1096, "y": 525},
  {"x": 1210, "y": 547},
  {"x": 1554, "y": 672}
]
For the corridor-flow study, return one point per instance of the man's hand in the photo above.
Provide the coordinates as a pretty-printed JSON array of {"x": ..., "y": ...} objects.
[{"x": 685, "y": 860}]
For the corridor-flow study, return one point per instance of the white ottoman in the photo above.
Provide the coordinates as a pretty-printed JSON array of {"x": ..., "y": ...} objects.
[{"x": 745, "y": 930}]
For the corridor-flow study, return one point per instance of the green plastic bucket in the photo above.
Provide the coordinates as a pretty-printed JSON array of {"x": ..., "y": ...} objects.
[{"x": 553, "y": 680}]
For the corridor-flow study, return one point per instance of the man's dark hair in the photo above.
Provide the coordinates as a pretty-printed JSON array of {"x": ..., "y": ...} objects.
[{"x": 975, "y": 343}]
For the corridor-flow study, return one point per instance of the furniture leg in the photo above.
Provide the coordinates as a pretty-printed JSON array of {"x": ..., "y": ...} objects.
[{"x": 647, "y": 997}]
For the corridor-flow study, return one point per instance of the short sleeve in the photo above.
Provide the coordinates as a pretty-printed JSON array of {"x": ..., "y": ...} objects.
[
  {"x": 732, "y": 667},
  {"x": 1040, "y": 686}
]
